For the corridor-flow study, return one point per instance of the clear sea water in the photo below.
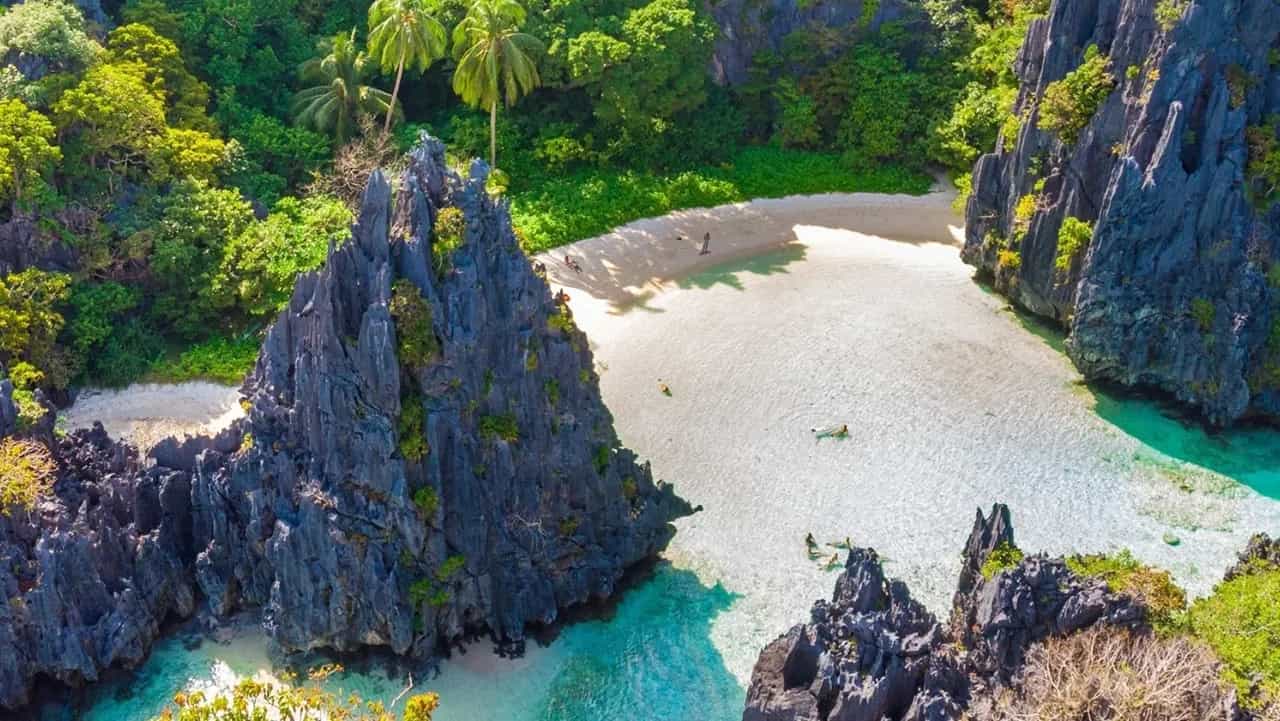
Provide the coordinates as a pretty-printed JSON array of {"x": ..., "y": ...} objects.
[{"x": 953, "y": 402}]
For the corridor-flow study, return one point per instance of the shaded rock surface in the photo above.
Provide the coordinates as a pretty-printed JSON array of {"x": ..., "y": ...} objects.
[
  {"x": 315, "y": 520},
  {"x": 518, "y": 502},
  {"x": 93, "y": 571},
  {"x": 749, "y": 27},
  {"x": 1172, "y": 291},
  {"x": 873, "y": 653}
]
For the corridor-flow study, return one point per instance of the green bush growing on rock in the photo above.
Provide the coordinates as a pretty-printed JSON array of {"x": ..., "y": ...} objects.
[
  {"x": 1073, "y": 237},
  {"x": 1169, "y": 12},
  {"x": 427, "y": 501},
  {"x": 27, "y": 472},
  {"x": 411, "y": 429},
  {"x": 416, "y": 336},
  {"x": 500, "y": 427},
  {"x": 603, "y": 456},
  {"x": 1263, "y": 167},
  {"x": 448, "y": 233},
  {"x": 1125, "y": 574},
  {"x": 1241, "y": 622},
  {"x": 1002, "y": 558},
  {"x": 1203, "y": 311},
  {"x": 1070, "y": 103},
  {"x": 25, "y": 378}
]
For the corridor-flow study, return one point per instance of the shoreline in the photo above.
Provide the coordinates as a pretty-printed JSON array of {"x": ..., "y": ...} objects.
[{"x": 632, "y": 263}]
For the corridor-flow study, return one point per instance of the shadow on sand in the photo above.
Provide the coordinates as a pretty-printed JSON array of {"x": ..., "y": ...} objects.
[{"x": 730, "y": 273}]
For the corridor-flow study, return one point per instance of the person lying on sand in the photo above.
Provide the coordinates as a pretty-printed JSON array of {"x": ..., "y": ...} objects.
[
  {"x": 664, "y": 388},
  {"x": 846, "y": 544},
  {"x": 833, "y": 562},
  {"x": 569, "y": 261},
  {"x": 841, "y": 432}
]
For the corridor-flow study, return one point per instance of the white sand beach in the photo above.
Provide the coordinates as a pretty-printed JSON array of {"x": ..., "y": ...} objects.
[
  {"x": 856, "y": 309},
  {"x": 147, "y": 413}
]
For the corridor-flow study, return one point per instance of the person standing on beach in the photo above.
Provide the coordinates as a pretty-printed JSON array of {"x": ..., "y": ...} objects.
[{"x": 706, "y": 244}]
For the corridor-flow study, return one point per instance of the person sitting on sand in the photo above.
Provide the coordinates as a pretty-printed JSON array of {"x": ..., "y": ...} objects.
[
  {"x": 811, "y": 546},
  {"x": 706, "y": 244},
  {"x": 833, "y": 562}
]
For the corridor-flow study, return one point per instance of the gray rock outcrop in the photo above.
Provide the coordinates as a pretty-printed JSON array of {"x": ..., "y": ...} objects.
[
  {"x": 1172, "y": 291},
  {"x": 522, "y": 501},
  {"x": 872, "y": 653},
  {"x": 91, "y": 573},
  {"x": 369, "y": 498}
]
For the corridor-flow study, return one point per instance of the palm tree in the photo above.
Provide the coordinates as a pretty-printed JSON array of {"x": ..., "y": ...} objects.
[
  {"x": 495, "y": 60},
  {"x": 402, "y": 33},
  {"x": 335, "y": 95}
]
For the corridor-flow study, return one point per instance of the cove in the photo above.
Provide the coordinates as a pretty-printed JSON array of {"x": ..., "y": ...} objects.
[
  {"x": 653, "y": 653},
  {"x": 951, "y": 403}
]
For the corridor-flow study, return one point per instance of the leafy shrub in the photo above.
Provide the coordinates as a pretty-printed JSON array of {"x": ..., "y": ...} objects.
[
  {"x": 220, "y": 359},
  {"x": 449, "y": 232},
  {"x": 411, "y": 430},
  {"x": 25, "y": 378},
  {"x": 1203, "y": 311},
  {"x": 1125, "y": 574},
  {"x": 427, "y": 501},
  {"x": 1070, "y": 103},
  {"x": 260, "y": 265},
  {"x": 1108, "y": 674},
  {"x": 253, "y": 699},
  {"x": 798, "y": 116},
  {"x": 569, "y": 525},
  {"x": 416, "y": 335},
  {"x": 1241, "y": 622},
  {"x": 1073, "y": 238},
  {"x": 27, "y": 472},
  {"x": 501, "y": 426},
  {"x": 1009, "y": 259},
  {"x": 603, "y": 456},
  {"x": 1169, "y": 12},
  {"x": 52, "y": 30},
  {"x": 1002, "y": 558},
  {"x": 1263, "y": 168},
  {"x": 552, "y": 389},
  {"x": 30, "y": 320},
  {"x": 552, "y": 211},
  {"x": 1023, "y": 213}
]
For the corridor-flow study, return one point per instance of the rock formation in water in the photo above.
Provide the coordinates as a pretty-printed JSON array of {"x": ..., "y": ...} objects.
[
  {"x": 403, "y": 502},
  {"x": 426, "y": 456},
  {"x": 92, "y": 572},
  {"x": 873, "y": 653},
  {"x": 1168, "y": 287}
]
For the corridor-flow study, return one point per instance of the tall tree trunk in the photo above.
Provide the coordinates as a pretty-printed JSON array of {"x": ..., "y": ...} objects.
[
  {"x": 391, "y": 109},
  {"x": 493, "y": 135}
]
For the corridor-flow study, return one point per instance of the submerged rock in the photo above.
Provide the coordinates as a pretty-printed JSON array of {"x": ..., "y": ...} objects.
[{"x": 1171, "y": 291}]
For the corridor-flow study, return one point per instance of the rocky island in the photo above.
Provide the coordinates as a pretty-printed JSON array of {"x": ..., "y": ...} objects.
[{"x": 425, "y": 457}]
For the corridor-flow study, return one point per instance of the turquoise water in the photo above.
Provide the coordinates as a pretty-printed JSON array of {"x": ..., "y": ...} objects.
[
  {"x": 652, "y": 658},
  {"x": 952, "y": 405},
  {"x": 1249, "y": 455}
]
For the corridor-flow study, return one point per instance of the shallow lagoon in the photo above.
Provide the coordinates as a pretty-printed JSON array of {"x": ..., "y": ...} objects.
[{"x": 952, "y": 405}]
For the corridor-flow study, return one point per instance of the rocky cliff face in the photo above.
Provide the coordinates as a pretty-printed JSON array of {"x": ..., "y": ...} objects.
[
  {"x": 398, "y": 502},
  {"x": 748, "y": 27},
  {"x": 426, "y": 455},
  {"x": 873, "y": 653},
  {"x": 1171, "y": 291},
  {"x": 90, "y": 575}
]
